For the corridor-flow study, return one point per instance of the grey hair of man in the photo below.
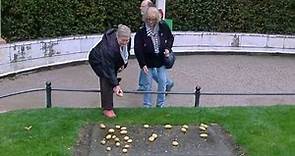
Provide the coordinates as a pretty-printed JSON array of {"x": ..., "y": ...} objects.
[
  {"x": 144, "y": 5},
  {"x": 151, "y": 12},
  {"x": 123, "y": 30}
]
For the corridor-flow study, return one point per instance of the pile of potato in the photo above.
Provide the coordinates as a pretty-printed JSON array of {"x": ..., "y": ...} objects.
[{"x": 124, "y": 141}]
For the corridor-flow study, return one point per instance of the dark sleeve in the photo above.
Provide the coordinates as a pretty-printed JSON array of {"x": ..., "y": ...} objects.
[
  {"x": 129, "y": 46},
  {"x": 110, "y": 72},
  {"x": 169, "y": 36},
  {"x": 138, "y": 49}
]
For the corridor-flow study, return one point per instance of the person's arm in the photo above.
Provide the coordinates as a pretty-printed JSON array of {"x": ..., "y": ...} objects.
[
  {"x": 169, "y": 36},
  {"x": 138, "y": 49},
  {"x": 110, "y": 72},
  {"x": 129, "y": 46},
  {"x": 112, "y": 77}
]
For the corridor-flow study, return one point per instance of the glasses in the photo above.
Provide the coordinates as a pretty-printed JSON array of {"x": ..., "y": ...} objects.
[
  {"x": 143, "y": 6},
  {"x": 152, "y": 19}
]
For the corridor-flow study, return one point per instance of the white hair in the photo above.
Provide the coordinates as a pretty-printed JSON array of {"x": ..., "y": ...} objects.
[
  {"x": 123, "y": 30},
  {"x": 152, "y": 11}
]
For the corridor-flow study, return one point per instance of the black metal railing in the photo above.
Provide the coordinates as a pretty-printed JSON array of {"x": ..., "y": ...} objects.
[
  {"x": 22, "y": 92},
  {"x": 48, "y": 90}
]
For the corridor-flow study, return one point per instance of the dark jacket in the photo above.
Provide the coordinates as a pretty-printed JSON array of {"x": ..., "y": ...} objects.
[
  {"x": 105, "y": 58},
  {"x": 144, "y": 48}
]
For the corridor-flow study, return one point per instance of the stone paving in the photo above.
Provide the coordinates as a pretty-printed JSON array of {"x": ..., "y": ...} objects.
[
  {"x": 93, "y": 142},
  {"x": 214, "y": 73}
]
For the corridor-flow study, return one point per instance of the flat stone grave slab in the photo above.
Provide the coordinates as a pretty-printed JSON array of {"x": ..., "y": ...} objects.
[{"x": 190, "y": 143}]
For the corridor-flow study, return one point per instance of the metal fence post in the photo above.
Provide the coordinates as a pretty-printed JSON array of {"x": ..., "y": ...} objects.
[
  {"x": 48, "y": 94},
  {"x": 197, "y": 96}
]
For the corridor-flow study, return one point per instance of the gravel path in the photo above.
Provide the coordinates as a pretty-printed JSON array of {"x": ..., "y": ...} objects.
[{"x": 214, "y": 73}]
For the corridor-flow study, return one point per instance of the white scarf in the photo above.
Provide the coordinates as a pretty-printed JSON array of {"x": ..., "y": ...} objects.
[
  {"x": 124, "y": 53},
  {"x": 154, "y": 34}
]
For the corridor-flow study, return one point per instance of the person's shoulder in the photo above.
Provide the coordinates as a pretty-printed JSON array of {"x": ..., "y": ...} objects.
[
  {"x": 110, "y": 31},
  {"x": 141, "y": 29},
  {"x": 163, "y": 23}
]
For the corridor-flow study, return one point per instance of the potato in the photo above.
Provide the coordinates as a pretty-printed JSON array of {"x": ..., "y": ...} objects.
[
  {"x": 204, "y": 125},
  {"x": 175, "y": 143},
  {"x": 202, "y": 128},
  {"x": 109, "y": 136},
  {"x": 129, "y": 140},
  {"x": 151, "y": 139},
  {"x": 111, "y": 130},
  {"x": 185, "y": 126},
  {"x": 118, "y": 126},
  {"x": 124, "y": 150},
  {"x": 204, "y": 135},
  {"x": 167, "y": 126},
  {"x": 102, "y": 126},
  {"x": 155, "y": 135},
  {"x": 126, "y": 138},
  {"x": 103, "y": 142},
  {"x": 123, "y": 132},
  {"x": 183, "y": 130},
  {"x": 117, "y": 139},
  {"x": 108, "y": 148}
]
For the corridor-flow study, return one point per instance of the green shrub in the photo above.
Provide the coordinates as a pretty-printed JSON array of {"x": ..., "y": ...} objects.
[
  {"x": 35, "y": 19},
  {"x": 251, "y": 16}
]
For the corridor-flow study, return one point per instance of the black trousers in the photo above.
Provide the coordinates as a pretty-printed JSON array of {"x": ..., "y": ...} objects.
[{"x": 106, "y": 94}]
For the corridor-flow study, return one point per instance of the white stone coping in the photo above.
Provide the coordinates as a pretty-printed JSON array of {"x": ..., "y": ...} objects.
[{"x": 29, "y": 55}]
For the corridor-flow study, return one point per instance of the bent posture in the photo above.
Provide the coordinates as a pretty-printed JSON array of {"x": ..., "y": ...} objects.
[{"x": 107, "y": 58}]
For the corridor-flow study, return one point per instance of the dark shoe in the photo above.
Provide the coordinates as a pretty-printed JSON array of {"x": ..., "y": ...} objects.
[
  {"x": 159, "y": 106},
  {"x": 109, "y": 113},
  {"x": 169, "y": 87}
]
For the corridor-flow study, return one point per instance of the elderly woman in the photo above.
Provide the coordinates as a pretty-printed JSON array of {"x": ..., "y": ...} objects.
[
  {"x": 107, "y": 58},
  {"x": 152, "y": 43}
]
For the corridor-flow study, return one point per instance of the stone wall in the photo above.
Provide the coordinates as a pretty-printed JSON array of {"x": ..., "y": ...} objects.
[{"x": 31, "y": 54}]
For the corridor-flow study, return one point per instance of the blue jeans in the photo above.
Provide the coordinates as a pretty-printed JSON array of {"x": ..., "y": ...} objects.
[
  {"x": 141, "y": 82},
  {"x": 162, "y": 80}
]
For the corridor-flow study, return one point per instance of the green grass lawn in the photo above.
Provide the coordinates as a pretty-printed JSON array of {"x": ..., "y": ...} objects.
[{"x": 261, "y": 131}]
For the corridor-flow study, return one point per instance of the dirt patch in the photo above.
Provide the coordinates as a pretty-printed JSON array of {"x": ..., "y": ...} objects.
[{"x": 218, "y": 142}]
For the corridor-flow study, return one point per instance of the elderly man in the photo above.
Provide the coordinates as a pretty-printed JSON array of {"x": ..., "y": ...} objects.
[
  {"x": 144, "y": 5},
  {"x": 107, "y": 58}
]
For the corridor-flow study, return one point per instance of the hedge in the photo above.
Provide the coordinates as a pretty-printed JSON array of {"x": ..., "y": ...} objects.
[
  {"x": 35, "y": 19},
  {"x": 249, "y": 16}
]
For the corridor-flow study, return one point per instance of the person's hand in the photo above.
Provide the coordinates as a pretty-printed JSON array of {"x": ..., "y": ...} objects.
[
  {"x": 121, "y": 69},
  {"x": 166, "y": 53},
  {"x": 145, "y": 69},
  {"x": 118, "y": 91}
]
